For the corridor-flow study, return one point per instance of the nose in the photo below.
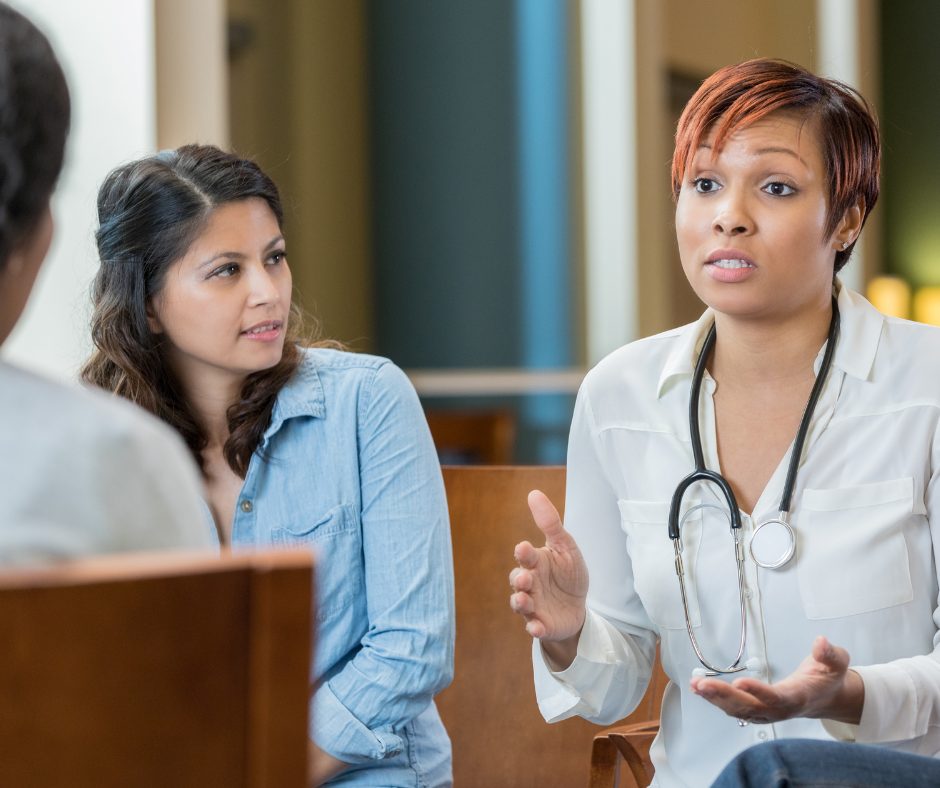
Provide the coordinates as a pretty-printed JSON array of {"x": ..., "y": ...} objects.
[
  {"x": 262, "y": 289},
  {"x": 732, "y": 217}
]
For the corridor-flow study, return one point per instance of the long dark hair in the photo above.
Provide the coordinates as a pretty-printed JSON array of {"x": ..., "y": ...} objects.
[
  {"x": 149, "y": 213},
  {"x": 34, "y": 123}
]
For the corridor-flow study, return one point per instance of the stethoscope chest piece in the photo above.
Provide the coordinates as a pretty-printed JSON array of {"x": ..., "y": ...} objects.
[{"x": 773, "y": 543}]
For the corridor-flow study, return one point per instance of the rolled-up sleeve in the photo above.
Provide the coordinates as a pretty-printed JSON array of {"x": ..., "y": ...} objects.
[
  {"x": 902, "y": 697},
  {"x": 407, "y": 653},
  {"x": 614, "y": 663}
]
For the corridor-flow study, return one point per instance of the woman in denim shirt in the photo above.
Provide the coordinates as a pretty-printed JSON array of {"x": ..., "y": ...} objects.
[{"x": 311, "y": 447}]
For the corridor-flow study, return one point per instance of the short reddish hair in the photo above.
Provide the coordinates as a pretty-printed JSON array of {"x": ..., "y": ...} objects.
[{"x": 742, "y": 94}]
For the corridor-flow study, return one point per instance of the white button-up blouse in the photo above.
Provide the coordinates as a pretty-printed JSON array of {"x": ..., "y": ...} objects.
[{"x": 866, "y": 510}]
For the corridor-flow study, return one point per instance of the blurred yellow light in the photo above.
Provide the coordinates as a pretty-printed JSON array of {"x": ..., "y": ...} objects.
[
  {"x": 927, "y": 305},
  {"x": 891, "y": 296}
]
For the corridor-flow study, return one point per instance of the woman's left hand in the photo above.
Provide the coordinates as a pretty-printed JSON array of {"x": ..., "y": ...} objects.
[{"x": 822, "y": 687}]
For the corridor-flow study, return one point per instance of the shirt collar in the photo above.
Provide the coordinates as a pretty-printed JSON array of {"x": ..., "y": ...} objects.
[
  {"x": 859, "y": 334},
  {"x": 302, "y": 396}
]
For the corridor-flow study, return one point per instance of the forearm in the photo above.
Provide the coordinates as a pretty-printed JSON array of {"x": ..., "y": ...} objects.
[
  {"x": 356, "y": 713},
  {"x": 901, "y": 701},
  {"x": 321, "y": 766},
  {"x": 559, "y": 654},
  {"x": 606, "y": 680},
  {"x": 848, "y": 702}
]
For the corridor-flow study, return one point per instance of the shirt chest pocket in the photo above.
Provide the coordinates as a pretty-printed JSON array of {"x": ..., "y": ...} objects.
[
  {"x": 336, "y": 541},
  {"x": 851, "y": 552},
  {"x": 654, "y": 559}
]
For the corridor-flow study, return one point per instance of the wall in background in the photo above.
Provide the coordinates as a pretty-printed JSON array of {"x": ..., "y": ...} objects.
[
  {"x": 473, "y": 196},
  {"x": 910, "y": 119},
  {"x": 107, "y": 51},
  {"x": 703, "y": 37},
  {"x": 192, "y": 73},
  {"x": 298, "y": 86},
  {"x": 446, "y": 202}
]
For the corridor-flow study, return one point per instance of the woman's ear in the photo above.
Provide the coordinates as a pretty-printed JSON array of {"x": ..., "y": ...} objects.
[
  {"x": 850, "y": 226},
  {"x": 152, "y": 320}
]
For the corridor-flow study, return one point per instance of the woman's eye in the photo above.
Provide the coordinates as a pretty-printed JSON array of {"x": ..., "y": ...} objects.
[
  {"x": 705, "y": 185},
  {"x": 226, "y": 270},
  {"x": 277, "y": 257},
  {"x": 778, "y": 189}
]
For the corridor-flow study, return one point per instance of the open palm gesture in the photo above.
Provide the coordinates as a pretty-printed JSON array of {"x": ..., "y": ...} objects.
[{"x": 551, "y": 582}]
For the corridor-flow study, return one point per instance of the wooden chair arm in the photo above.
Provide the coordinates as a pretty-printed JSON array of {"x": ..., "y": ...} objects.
[{"x": 631, "y": 743}]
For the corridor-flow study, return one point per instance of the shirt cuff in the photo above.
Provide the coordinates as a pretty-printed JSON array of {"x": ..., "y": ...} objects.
[
  {"x": 889, "y": 712},
  {"x": 585, "y": 682},
  {"x": 338, "y": 732}
]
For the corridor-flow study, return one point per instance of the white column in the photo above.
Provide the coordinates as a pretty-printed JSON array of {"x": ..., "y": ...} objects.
[
  {"x": 106, "y": 48},
  {"x": 837, "y": 41},
  {"x": 610, "y": 173}
]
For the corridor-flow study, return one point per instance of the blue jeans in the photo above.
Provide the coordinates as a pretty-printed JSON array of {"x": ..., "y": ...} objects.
[{"x": 808, "y": 763}]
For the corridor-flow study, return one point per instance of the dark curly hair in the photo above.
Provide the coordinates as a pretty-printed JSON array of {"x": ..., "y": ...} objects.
[
  {"x": 149, "y": 213},
  {"x": 34, "y": 124}
]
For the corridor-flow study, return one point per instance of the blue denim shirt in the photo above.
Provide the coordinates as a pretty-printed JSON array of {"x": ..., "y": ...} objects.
[{"x": 348, "y": 469}]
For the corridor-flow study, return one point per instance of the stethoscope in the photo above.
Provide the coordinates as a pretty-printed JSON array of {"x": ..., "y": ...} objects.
[{"x": 779, "y": 527}]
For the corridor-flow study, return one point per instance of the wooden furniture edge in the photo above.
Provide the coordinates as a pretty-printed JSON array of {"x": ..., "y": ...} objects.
[{"x": 117, "y": 567}]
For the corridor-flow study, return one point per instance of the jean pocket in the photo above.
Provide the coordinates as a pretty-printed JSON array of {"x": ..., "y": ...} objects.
[
  {"x": 336, "y": 521},
  {"x": 851, "y": 552},
  {"x": 653, "y": 558},
  {"x": 336, "y": 541}
]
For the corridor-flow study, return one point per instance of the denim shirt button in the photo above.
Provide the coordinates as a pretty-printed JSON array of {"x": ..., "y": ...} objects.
[{"x": 246, "y": 505}]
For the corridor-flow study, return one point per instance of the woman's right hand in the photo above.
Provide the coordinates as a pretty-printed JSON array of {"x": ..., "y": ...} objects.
[{"x": 551, "y": 585}]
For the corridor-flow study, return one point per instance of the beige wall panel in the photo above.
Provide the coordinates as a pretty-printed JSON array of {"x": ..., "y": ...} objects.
[
  {"x": 701, "y": 37},
  {"x": 192, "y": 73},
  {"x": 299, "y": 108}
]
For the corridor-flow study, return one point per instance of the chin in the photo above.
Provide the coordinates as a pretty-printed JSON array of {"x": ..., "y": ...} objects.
[
  {"x": 266, "y": 358},
  {"x": 738, "y": 300}
]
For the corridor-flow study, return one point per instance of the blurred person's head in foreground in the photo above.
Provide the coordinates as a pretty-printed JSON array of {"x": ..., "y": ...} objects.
[{"x": 34, "y": 123}]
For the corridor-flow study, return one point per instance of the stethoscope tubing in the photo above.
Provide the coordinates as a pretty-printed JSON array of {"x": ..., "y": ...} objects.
[{"x": 701, "y": 473}]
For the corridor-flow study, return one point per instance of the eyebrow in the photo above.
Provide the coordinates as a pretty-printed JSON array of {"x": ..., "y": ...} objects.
[
  {"x": 788, "y": 151},
  {"x": 762, "y": 151},
  {"x": 238, "y": 255}
]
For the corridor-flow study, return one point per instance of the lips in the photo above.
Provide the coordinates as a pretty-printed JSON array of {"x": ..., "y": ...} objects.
[
  {"x": 729, "y": 265},
  {"x": 730, "y": 259},
  {"x": 263, "y": 332},
  {"x": 261, "y": 329}
]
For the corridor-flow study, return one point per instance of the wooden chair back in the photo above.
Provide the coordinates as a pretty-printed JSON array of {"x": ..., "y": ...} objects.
[
  {"x": 499, "y": 736},
  {"x": 485, "y": 437},
  {"x": 156, "y": 670}
]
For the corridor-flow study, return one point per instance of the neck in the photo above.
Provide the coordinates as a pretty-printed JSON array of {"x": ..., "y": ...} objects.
[
  {"x": 757, "y": 352},
  {"x": 210, "y": 392}
]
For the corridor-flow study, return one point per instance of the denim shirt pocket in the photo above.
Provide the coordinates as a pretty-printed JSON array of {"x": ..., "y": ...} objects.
[{"x": 336, "y": 540}]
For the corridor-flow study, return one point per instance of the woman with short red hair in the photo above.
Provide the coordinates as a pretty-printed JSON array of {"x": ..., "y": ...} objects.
[{"x": 791, "y": 410}]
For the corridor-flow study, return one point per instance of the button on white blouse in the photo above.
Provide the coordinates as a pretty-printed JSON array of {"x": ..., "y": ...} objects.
[{"x": 866, "y": 510}]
